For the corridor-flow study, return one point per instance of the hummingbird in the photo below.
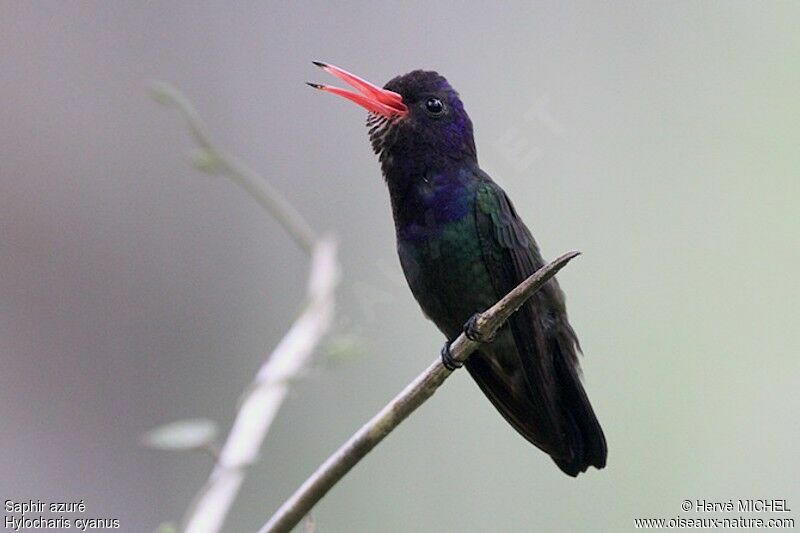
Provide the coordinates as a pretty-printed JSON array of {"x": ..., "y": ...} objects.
[{"x": 462, "y": 247}]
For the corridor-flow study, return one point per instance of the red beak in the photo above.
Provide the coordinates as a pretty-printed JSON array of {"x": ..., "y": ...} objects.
[{"x": 371, "y": 97}]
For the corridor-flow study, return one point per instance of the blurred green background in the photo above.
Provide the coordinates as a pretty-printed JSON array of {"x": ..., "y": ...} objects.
[{"x": 660, "y": 139}]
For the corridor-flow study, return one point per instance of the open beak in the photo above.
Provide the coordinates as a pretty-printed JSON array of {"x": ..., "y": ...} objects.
[{"x": 371, "y": 97}]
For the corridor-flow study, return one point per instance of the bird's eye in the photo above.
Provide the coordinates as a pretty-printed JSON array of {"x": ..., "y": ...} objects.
[{"x": 434, "y": 106}]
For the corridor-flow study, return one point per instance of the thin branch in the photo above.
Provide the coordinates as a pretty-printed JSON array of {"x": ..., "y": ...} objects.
[
  {"x": 415, "y": 394},
  {"x": 290, "y": 357},
  {"x": 265, "y": 396},
  {"x": 213, "y": 159}
]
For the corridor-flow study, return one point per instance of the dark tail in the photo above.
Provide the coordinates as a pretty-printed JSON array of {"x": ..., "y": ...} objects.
[
  {"x": 544, "y": 402},
  {"x": 589, "y": 441}
]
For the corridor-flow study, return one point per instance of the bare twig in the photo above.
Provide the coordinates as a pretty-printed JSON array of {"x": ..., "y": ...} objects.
[
  {"x": 215, "y": 160},
  {"x": 415, "y": 394},
  {"x": 264, "y": 397}
]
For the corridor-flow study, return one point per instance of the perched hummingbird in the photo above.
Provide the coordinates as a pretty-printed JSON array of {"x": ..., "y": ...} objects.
[{"x": 462, "y": 247}]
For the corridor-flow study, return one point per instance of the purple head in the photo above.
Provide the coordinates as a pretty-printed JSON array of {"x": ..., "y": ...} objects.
[{"x": 417, "y": 123}]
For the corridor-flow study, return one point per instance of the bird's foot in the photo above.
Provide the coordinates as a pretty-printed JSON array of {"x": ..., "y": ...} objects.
[
  {"x": 472, "y": 333},
  {"x": 447, "y": 359}
]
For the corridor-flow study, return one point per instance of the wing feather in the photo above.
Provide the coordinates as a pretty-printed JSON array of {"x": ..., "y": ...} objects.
[{"x": 539, "y": 392}]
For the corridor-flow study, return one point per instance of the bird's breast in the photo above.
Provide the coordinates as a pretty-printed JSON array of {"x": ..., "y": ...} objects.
[{"x": 443, "y": 262}]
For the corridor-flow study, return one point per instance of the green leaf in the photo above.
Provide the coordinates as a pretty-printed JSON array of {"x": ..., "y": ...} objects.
[
  {"x": 167, "y": 527},
  {"x": 190, "y": 434},
  {"x": 161, "y": 92},
  {"x": 344, "y": 347},
  {"x": 205, "y": 161}
]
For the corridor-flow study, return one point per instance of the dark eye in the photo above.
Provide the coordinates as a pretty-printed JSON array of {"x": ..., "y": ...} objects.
[{"x": 434, "y": 106}]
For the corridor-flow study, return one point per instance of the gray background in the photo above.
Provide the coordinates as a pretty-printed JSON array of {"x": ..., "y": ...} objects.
[{"x": 661, "y": 139}]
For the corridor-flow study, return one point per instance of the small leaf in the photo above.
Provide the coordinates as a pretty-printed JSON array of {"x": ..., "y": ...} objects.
[
  {"x": 205, "y": 161},
  {"x": 167, "y": 527},
  {"x": 161, "y": 92},
  {"x": 344, "y": 347},
  {"x": 190, "y": 434}
]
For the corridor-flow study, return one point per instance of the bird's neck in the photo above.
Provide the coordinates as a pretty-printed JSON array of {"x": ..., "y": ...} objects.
[{"x": 431, "y": 197}]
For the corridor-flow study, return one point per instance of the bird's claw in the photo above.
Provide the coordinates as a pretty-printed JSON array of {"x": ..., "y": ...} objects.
[
  {"x": 447, "y": 359},
  {"x": 472, "y": 333}
]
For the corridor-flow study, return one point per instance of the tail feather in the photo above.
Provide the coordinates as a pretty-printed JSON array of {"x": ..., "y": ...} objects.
[
  {"x": 578, "y": 442},
  {"x": 587, "y": 434}
]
